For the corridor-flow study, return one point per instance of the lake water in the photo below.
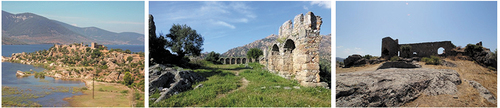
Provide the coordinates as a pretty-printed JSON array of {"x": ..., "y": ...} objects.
[{"x": 41, "y": 86}]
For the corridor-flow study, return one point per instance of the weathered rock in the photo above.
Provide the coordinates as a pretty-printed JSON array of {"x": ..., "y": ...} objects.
[
  {"x": 399, "y": 64},
  {"x": 355, "y": 60},
  {"x": 20, "y": 73},
  {"x": 172, "y": 80},
  {"x": 392, "y": 87},
  {"x": 483, "y": 92},
  {"x": 449, "y": 64}
]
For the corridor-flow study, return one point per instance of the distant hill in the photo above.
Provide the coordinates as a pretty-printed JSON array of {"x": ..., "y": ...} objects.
[
  {"x": 339, "y": 59},
  {"x": 29, "y": 28},
  {"x": 324, "y": 49}
]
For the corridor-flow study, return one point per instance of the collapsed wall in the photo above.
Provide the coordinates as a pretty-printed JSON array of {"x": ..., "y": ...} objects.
[{"x": 295, "y": 55}]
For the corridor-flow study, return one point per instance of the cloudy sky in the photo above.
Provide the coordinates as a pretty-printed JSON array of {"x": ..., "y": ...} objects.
[
  {"x": 226, "y": 25},
  {"x": 115, "y": 16},
  {"x": 362, "y": 25}
]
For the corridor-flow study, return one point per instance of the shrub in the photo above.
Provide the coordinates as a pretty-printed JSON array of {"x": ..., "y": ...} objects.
[
  {"x": 434, "y": 60},
  {"x": 471, "y": 49},
  {"x": 406, "y": 51},
  {"x": 394, "y": 58},
  {"x": 367, "y": 56},
  {"x": 213, "y": 57},
  {"x": 124, "y": 91}
]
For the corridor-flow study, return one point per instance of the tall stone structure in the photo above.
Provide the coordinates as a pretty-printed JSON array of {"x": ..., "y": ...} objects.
[
  {"x": 295, "y": 54},
  {"x": 391, "y": 47}
]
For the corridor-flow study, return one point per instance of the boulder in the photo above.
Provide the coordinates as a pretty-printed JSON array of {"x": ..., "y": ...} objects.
[
  {"x": 483, "y": 92},
  {"x": 20, "y": 73},
  {"x": 392, "y": 87},
  {"x": 172, "y": 80},
  {"x": 355, "y": 60}
]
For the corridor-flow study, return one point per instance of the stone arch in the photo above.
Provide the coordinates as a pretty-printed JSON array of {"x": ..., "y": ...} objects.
[
  {"x": 289, "y": 46},
  {"x": 238, "y": 60},
  {"x": 233, "y": 61},
  {"x": 244, "y": 60},
  {"x": 227, "y": 61},
  {"x": 221, "y": 60},
  {"x": 275, "y": 50}
]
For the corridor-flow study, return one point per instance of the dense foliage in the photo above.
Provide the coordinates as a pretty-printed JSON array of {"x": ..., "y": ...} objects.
[
  {"x": 213, "y": 57},
  {"x": 434, "y": 60},
  {"x": 406, "y": 51},
  {"x": 254, "y": 53}
]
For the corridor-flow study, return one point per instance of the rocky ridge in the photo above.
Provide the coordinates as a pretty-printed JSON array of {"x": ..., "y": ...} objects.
[{"x": 393, "y": 87}]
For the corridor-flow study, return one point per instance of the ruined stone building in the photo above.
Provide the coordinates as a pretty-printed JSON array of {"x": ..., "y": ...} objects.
[
  {"x": 295, "y": 53},
  {"x": 391, "y": 47},
  {"x": 94, "y": 45}
]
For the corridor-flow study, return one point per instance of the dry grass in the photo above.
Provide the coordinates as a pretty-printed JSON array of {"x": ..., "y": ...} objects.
[
  {"x": 467, "y": 95},
  {"x": 109, "y": 97},
  {"x": 371, "y": 67}
]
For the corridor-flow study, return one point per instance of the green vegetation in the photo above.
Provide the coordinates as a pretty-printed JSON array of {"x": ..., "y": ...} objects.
[
  {"x": 127, "y": 79},
  {"x": 254, "y": 53},
  {"x": 394, "y": 58},
  {"x": 434, "y": 60},
  {"x": 130, "y": 58},
  {"x": 406, "y": 51},
  {"x": 223, "y": 88},
  {"x": 17, "y": 97},
  {"x": 213, "y": 57},
  {"x": 471, "y": 49}
]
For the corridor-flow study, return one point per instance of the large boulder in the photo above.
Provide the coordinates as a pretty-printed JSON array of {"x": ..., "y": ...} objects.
[
  {"x": 483, "y": 92},
  {"x": 355, "y": 60},
  {"x": 169, "y": 81},
  {"x": 392, "y": 87}
]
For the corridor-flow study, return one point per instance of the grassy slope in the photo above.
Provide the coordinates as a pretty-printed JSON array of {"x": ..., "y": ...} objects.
[{"x": 221, "y": 89}]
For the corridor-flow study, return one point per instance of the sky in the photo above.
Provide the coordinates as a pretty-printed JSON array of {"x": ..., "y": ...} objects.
[
  {"x": 229, "y": 24},
  {"x": 114, "y": 16},
  {"x": 362, "y": 25}
]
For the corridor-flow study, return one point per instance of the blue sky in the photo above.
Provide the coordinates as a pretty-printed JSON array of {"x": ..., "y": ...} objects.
[
  {"x": 229, "y": 24},
  {"x": 362, "y": 25},
  {"x": 115, "y": 16}
]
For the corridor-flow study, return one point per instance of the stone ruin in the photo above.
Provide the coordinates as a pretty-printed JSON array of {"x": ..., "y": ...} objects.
[
  {"x": 295, "y": 54},
  {"x": 391, "y": 47}
]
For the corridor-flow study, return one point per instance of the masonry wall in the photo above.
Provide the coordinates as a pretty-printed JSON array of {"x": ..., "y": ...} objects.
[{"x": 295, "y": 55}]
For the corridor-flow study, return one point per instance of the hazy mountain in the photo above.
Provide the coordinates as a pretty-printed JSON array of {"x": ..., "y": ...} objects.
[
  {"x": 29, "y": 28},
  {"x": 339, "y": 59},
  {"x": 324, "y": 49}
]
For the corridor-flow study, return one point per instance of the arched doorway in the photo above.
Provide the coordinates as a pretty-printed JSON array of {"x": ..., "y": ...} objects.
[
  {"x": 440, "y": 51},
  {"x": 275, "y": 50},
  {"x": 289, "y": 46}
]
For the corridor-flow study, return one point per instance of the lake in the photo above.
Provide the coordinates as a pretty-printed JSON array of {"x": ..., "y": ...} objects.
[{"x": 50, "y": 91}]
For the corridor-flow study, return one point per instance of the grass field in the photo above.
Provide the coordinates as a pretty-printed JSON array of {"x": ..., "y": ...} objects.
[
  {"x": 238, "y": 86},
  {"x": 105, "y": 95}
]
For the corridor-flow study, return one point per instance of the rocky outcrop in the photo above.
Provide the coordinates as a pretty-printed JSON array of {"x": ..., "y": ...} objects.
[
  {"x": 399, "y": 64},
  {"x": 392, "y": 87},
  {"x": 483, "y": 92},
  {"x": 355, "y": 60},
  {"x": 170, "y": 81},
  {"x": 20, "y": 73}
]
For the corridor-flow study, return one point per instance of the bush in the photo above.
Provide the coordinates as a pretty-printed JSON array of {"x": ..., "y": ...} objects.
[
  {"x": 124, "y": 91},
  {"x": 368, "y": 56},
  {"x": 434, "y": 60},
  {"x": 471, "y": 49},
  {"x": 213, "y": 57},
  {"x": 394, "y": 58}
]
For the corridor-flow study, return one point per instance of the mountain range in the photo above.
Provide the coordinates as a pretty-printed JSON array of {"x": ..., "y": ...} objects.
[
  {"x": 29, "y": 28},
  {"x": 324, "y": 48}
]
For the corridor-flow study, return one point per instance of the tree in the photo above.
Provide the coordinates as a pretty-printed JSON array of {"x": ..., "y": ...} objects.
[
  {"x": 128, "y": 51},
  {"x": 184, "y": 40},
  {"x": 157, "y": 51},
  {"x": 406, "y": 51},
  {"x": 130, "y": 58},
  {"x": 213, "y": 57},
  {"x": 127, "y": 79},
  {"x": 254, "y": 53}
]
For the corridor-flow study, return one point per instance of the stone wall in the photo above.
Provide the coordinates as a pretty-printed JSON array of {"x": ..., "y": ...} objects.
[
  {"x": 391, "y": 48},
  {"x": 295, "y": 54},
  {"x": 235, "y": 60}
]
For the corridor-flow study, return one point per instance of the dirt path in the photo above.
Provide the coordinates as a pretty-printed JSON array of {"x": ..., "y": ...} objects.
[{"x": 243, "y": 85}]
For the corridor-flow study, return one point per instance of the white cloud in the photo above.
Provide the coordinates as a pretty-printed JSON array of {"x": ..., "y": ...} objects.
[
  {"x": 225, "y": 24},
  {"x": 305, "y": 8},
  {"x": 325, "y": 4}
]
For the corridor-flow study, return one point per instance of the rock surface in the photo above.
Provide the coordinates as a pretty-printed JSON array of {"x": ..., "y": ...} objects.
[
  {"x": 392, "y": 87},
  {"x": 483, "y": 92},
  {"x": 170, "y": 81}
]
